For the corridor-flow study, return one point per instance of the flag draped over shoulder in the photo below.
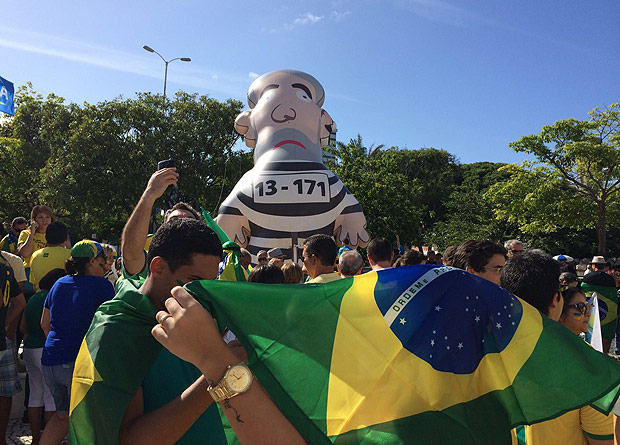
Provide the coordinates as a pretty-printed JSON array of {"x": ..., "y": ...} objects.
[
  {"x": 607, "y": 306},
  {"x": 416, "y": 354},
  {"x": 113, "y": 360}
]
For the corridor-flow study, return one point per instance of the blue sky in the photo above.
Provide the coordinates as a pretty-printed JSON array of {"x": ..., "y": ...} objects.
[{"x": 468, "y": 77}]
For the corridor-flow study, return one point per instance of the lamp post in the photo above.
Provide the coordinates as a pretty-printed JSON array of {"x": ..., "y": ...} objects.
[{"x": 182, "y": 59}]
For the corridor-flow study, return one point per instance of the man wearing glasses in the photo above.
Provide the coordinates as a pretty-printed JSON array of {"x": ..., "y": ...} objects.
[
  {"x": 513, "y": 247},
  {"x": 483, "y": 258}
]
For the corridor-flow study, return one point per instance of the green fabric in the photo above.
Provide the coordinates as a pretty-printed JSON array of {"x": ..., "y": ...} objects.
[
  {"x": 32, "y": 314},
  {"x": 608, "y": 307},
  {"x": 288, "y": 332},
  {"x": 231, "y": 249},
  {"x": 170, "y": 376}
]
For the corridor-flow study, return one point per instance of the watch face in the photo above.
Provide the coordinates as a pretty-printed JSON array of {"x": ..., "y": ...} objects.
[{"x": 239, "y": 378}]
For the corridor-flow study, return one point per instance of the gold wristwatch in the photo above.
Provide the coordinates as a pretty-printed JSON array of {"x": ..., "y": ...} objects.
[{"x": 237, "y": 380}]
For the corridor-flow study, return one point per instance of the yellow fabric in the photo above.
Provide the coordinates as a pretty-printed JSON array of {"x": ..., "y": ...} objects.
[
  {"x": 361, "y": 363},
  {"x": 84, "y": 375},
  {"x": 39, "y": 242},
  {"x": 569, "y": 429},
  {"x": 325, "y": 278},
  {"x": 46, "y": 259}
]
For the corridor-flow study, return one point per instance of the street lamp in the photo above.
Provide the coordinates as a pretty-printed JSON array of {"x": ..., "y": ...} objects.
[{"x": 182, "y": 59}]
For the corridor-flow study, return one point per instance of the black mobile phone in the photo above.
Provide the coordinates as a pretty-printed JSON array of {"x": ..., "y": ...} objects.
[{"x": 166, "y": 164}]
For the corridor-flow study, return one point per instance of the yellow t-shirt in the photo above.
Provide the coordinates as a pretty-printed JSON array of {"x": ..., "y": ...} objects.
[
  {"x": 39, "y": 242},
  {"x": 325, "y": 278},
  {"x": 570, "y": 428},
  {"x": 46, "y": 259}
]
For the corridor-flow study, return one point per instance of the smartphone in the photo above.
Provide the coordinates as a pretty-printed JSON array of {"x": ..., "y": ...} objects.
[{"x": 166, "y": 164}]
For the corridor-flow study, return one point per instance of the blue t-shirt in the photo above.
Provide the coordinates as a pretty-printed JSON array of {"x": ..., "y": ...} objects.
[{"x": 72, "y": 302}]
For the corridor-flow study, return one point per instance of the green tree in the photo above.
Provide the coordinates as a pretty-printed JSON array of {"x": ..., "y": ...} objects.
[
  {"x": 577, "y": 174},
  {"x": 373, "y": 175},
  {"x": 469, "y": 213},
  {"x": 90, "y": 163}
]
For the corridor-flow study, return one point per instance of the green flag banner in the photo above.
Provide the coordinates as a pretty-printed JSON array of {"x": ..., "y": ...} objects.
[
  {"x": 230, "y": 267},
  {"x": 417, "y": 354}
]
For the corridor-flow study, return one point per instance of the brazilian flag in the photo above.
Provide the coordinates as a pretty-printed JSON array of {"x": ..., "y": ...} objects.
[
  {"x": 416, "y": 354},
  {"x": 607, "y": 307}
]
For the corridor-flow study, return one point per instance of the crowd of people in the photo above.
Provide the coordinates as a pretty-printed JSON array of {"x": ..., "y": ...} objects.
[{"x": 56, "y": 288}]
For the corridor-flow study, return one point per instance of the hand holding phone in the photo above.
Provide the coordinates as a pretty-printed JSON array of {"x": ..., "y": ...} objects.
[{"x": 166, "y": 164}]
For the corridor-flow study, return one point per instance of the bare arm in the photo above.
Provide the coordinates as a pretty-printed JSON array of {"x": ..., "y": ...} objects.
[
  {"x": 25, "y": 249},
  {"x": 137, "y": 227},
  {"x": 168, "y": 423},
  {"x": 190, "y": 332},
  {"x": 45, "y": 321},
  {"x": 16, "y": 307},
  {"x": 23, "y": 328}
]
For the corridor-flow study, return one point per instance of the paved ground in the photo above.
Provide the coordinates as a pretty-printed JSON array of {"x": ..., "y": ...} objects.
[{"x": 18, "y": 433}]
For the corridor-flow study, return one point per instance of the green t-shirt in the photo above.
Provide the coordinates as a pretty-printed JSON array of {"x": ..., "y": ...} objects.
[
  {"x": 168, "y": 378},
  {"x": 32, "y": 314}
]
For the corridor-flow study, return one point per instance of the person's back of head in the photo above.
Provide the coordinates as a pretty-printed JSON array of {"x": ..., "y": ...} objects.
[
  {"x": 475, "y": 254},
  {"x": 266, "y": 273},
  {"x": 412, "y": 258},
  {"x": 379, "y": 250},
  {"x": 181, "y": 210},
  {"x": 534, "y": 277},
  {"x": 50, "y": 278},
  {"x": 56, "y": 234},
  {"x": 177, "y": 240},
  {"x": 323, "y": 247},
  {"x": 292, "y": 273},
  {"x": 350, "y": 263},
  {"x": 448, "y": 254}
]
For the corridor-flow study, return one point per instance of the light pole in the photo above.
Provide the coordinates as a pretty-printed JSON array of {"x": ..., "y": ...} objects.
[{"x": 182, "y": 59}]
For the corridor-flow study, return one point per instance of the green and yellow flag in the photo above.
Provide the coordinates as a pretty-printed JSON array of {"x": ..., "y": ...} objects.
[
  {"x": 607, "y": 307},
  {"x": 417, "y": 354}
]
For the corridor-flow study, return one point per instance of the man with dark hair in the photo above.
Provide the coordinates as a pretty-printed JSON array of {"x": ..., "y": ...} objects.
[
  {"x": 51, "y": 257},
  {"x": 9, "y": 242},
  {"x": 319, "y": 255},
  {"x": 411, "y": 258},
  {"x": 534, "y": 277},
  {"x": 483, "y": 258},
  {"x": 175, "y": 402},
  {"x": 182, "y": 250},
  {"x": 448, "y": 254},
  {"x": 380, "y": 254},
  {"x": 350, "y": 263},
  {"x": 181, "y": 210}
]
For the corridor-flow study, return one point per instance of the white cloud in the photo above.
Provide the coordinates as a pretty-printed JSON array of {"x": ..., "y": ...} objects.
[
  {"x": 308, "y": 19},
  {"x": 337, "y": 15},
  {"x": 253, "y": 75}
]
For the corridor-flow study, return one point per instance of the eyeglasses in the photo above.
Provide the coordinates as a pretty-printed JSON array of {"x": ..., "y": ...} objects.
[
  {"x": 494, "y": 268},
  {"x": 263, "y": 260},
  {"x": 582, "y": 307},
  {"x": 515, "y": 252}
]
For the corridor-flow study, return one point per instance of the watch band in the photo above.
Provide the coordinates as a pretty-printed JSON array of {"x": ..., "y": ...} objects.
[{"x": 221, "y": 391}]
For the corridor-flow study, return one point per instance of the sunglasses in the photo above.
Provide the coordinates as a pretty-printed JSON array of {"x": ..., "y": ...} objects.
[
  {"x": 262, "y": 260},
  {"x": 582, "y": 307}
]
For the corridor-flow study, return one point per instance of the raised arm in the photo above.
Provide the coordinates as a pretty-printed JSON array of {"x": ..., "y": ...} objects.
[
  {"x": 25, "y": 249},
  {"x": 137, "y": 227}
]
